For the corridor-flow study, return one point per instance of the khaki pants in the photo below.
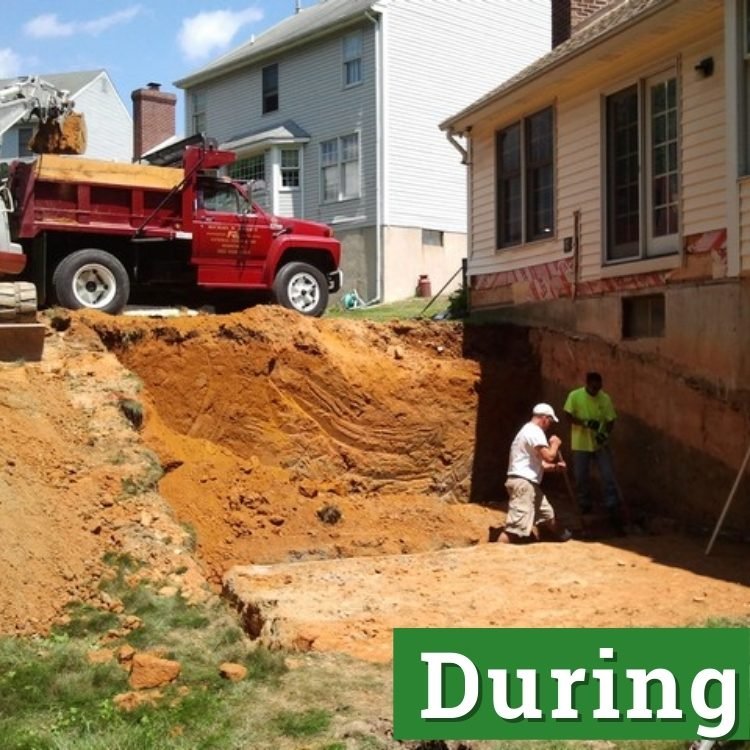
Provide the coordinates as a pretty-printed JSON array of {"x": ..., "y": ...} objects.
[{"x": 528, "y": 506}]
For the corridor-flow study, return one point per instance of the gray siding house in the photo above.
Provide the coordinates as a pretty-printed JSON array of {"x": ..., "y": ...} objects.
[
  {"x": 337, "y": 109},
  {"x": 109, "y": 125}
]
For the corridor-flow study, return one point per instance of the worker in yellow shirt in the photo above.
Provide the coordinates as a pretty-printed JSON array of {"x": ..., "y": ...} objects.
[{"x": 592, "y": 417}]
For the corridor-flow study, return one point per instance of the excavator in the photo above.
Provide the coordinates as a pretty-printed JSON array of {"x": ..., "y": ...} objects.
[{"x": 58, "y": 130}]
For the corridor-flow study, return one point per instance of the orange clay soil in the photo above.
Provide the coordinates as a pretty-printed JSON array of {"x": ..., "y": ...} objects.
[{"x": 288, "y": 440}]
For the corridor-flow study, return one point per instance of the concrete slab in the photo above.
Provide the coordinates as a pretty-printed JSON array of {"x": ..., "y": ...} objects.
[{"x": 22, "y": 341}]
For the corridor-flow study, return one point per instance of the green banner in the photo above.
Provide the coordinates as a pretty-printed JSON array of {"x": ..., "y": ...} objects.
[{"x": 640, "y": 683}]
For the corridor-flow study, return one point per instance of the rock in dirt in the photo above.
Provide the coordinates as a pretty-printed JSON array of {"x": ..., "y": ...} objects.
[
  {"x": 232, "y": 672},
  {"x": 149, "y": 671}
]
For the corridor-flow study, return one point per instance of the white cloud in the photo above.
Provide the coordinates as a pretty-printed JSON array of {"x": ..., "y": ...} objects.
[
  {"x": 48, "y": 25},
  {"x": 10, "y": 63},
  {"x": 212, "y": 31}
]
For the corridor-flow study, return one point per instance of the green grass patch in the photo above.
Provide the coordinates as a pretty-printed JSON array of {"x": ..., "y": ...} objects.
[
  {"x": 52, "y": 696},
  {"x": 401, "y": 310},
  {"x": 302, "y": 723}
]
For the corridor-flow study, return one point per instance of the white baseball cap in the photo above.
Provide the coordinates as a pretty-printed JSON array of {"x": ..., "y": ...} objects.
[{"x": 545, "y": 410}]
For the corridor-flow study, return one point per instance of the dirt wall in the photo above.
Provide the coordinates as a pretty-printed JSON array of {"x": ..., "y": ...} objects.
[{"x": 679, "y": 440}]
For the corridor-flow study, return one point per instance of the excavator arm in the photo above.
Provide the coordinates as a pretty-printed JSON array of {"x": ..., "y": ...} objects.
[{"x": 59, "y": 130}]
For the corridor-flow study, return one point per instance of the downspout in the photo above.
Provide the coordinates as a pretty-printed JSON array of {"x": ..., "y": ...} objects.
[
  {"x": 466, "y": 159},
  {"x": 380, "y": 158}
]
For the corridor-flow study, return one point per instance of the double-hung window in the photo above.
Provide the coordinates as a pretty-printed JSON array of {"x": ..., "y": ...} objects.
[
  {"x": 352, "y": 53},
  {"x": 290, "y": 167},
  {"x": 270, "y": 88},
  {"x": 525, "y": 180},
  {"x": 642, "y": 176},
  {"x": 339, "y": 168}
]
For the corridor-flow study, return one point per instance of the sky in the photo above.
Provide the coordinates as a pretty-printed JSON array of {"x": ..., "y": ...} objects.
[{"x": 135, "y": 42}]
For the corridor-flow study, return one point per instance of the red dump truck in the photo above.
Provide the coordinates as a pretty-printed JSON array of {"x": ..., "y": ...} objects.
[{"x": 86, "y": 231}]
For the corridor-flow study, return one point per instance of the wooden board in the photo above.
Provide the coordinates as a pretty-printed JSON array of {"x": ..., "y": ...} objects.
[{"x": 56, "y": 168}]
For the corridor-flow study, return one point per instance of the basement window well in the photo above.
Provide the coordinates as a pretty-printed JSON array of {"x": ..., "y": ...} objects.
[{"x": 643, "y": 316}]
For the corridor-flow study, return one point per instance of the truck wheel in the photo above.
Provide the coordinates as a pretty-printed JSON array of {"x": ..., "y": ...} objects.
[
  {"x": 91, "y": 279},
  {"x": 301, "y": 287}
]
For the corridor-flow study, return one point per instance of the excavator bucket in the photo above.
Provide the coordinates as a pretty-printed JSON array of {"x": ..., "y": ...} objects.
[{"x": 60, "y": 136}]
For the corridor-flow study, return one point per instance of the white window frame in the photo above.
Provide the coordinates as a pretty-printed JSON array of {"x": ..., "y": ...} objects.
[
  {"x": 649, "y": 246},
  {"x": 352, "y": 49},
  {"x": 338, "y": 162},
  {"x": 285, "y": 170}
]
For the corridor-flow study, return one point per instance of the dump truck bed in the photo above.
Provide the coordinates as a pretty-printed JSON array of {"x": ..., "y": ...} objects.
[{"x": 75, "y": 194}]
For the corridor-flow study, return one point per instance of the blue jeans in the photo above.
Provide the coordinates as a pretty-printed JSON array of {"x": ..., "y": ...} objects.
[{"x": 582, "y": 461}]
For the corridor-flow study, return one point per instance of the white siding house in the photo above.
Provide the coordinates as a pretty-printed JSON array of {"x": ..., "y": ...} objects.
[
  {"x": 109, "y": 125},
  {"x": 645, "y": 196},
  {"x": 337, "y": 109}
]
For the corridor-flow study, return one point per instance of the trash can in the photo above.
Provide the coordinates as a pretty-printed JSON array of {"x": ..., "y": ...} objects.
[{"x": 424, "y": 287}]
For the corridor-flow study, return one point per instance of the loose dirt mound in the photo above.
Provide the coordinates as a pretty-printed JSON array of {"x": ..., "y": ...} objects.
[
  {"x": 70, "y": 464},
  {"x": 289, "y": 438}
]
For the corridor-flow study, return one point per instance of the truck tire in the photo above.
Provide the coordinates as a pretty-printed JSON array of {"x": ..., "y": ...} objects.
[
  {"x": 91, "y": 279},
  {"x": 301, "y": 287}
]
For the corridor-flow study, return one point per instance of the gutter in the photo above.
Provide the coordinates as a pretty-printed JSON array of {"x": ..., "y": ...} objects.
[{"x": 452, "y": 123}]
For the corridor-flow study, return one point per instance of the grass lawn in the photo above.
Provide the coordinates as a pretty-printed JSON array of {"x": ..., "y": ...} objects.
[{"x": 401, "y": 310}]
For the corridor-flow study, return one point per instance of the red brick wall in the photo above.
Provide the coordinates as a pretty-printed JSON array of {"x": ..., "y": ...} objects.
[
  {"x": 567, "y": 15},
  {"x": 153, "y": 118}
]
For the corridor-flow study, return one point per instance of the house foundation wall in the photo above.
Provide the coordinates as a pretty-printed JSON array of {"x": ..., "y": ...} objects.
[
  {"x": 678, "y": 441},
  {"x": 407, "y": 257}
]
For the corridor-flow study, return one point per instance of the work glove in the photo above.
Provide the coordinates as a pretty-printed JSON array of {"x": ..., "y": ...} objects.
[
  {"x": 592, "y": 424},
  {"x": 601, "y": 438}
]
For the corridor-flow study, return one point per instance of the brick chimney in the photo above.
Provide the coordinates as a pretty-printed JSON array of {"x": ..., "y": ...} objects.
[
  {"x": 567, "y": 16},
  {"x": 153, "y": 118}
]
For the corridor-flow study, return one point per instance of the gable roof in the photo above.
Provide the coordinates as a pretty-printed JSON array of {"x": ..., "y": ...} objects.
[
  {"x": 71, "y": 82},
  {"x": 310, "y": 23},
  {"x": 284, "y": 132},
  {"x": 621, "y": 15}
]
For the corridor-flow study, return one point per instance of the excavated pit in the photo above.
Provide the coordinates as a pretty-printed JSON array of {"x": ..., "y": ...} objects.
[
  {"x": 340, "y": 475},
  {"x": 288, "y": 439}
]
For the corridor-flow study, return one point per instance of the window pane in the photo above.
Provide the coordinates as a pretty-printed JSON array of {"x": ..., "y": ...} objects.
[
  {"x": 350, "y": 188},
  {"x": 270, "y": 88},
  {"x": 350, "y": 147},
  {"x": 508, "y": 198},
  {"x": 623, "y": 159},
  {"x": 664, "y": 183},
  {"x": 539, "y": 175},
  {"x": 329, "y": 153},
  {"x": 289, "y": 157},
  {"x": 330, "y": 183},
  {"x": 250, "y": 168},
  {"x": 352, "y": 72},
  {"x": 352, "y": 46}
]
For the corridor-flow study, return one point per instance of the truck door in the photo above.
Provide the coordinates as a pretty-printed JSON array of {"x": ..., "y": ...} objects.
[{"x": 227, "y": 232}]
